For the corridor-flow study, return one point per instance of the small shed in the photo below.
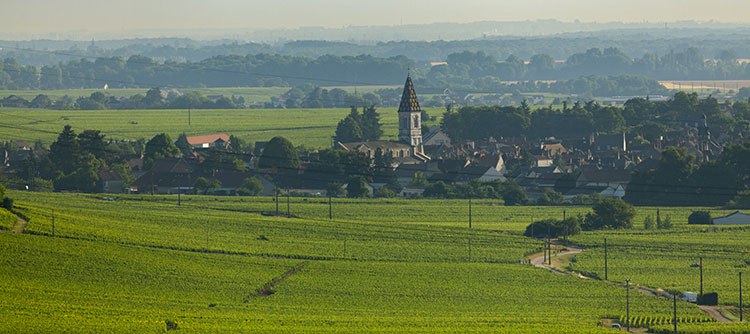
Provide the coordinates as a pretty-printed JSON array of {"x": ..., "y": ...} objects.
[{"x": 735, "y": 218}]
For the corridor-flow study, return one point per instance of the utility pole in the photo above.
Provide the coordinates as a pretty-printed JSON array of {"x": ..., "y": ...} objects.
[
  {"x": 549, "y": 251},
  {"x": 564, "y": 214},
  {"x": 208, "y": 231},
  {"x": 277, "y": 201},
  {"x": 605, "y": 259},
  {"x": 330, "y": 207},
  {"x": 288, "y": 215},
  {"x": 740, "y": 296},
  {"x": 701, "y": 268},
  {"x": 674, "y": 321},
  {"x": 179, "y": 191},
  {"x": 53, "y": 231},
  {"x": 627, "y": 301}
]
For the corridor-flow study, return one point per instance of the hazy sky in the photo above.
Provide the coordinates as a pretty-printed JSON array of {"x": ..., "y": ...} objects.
[{"x": 40, "y": 16}]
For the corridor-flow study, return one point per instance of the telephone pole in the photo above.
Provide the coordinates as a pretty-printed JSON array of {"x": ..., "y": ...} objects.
[
  {"x": 276, "y": 192},
  {"x": 330, "y": 207},
  {"x": 53, "y": 229},
  {"x": 288, "y": 215},
  {"x": 740, "y": 296},
  {"x": 627, "y": 301},
  {"x": 701, "y": 269},
  {"x": 674, "y": 321}
]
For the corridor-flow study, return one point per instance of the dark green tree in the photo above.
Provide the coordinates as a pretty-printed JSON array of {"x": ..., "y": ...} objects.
[
  {"x": 65, "y": 151},
  {"x": 160, "y": 146},
  {"x": 610, "y": 213},
  {"x": 279, "y": 153},
  {"x": 250, "y": 187},
  {"x": 357, "y": 187},
  {"x": 182, "y": 144}
]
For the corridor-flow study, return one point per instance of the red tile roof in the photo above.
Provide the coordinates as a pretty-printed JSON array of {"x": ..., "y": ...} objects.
[{"x": 197, "y": 140}]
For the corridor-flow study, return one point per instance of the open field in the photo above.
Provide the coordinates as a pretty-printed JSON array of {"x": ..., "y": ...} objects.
[
  {"x": 251, "y": 94},
  {"x": 687, "y": 85},
  {"x": 220, "y": 264},
  {"x": 311, "y": 127}
]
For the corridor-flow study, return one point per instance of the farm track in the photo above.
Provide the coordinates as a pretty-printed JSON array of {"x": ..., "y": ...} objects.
[
  {"x": 539, "y": 262},
  {"x": 267, "y": 289}
]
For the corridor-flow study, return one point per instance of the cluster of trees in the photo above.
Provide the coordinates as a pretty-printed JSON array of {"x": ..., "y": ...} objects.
[
  {"x": 259, "y": 70},
  {"x": 74, "y": 160},
  {"x": 311, "y": 96},
  {"x": 642, "y": 117},
  {"x": 607, "y": 213},
  {"x": 5, "y": 202},
  {"x": 679, "y": 180},
  {"x": 358, "y": 126},
  {"x": 154, "y": 98},
  {"x": 478, "y": 69},
  {"x": 510, "y": 192}
]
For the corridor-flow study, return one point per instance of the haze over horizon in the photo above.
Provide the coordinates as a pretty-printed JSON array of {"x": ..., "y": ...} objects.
[{"x": 126, "y": 18}]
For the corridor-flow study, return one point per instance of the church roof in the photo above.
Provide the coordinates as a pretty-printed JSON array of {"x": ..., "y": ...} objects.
[{"x": 409, "y": 102}]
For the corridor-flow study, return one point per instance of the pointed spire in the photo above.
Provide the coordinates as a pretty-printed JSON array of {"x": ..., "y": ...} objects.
[{"x": 409, "y": 101}]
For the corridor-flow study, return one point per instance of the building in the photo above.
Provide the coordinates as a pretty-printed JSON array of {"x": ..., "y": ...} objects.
[
  {"x": 735, "y": 218},
  {"x": 208, "y": 141},
  {"x": 410, "y": 118},
  {"x": 409, "y": 148}
]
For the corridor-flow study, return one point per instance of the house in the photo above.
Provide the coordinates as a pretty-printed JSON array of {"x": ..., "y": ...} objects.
[
  {"x": 112, "y": 182},
  {"x": 493, "y": 168},
  {"x": 436, "y": 137},
  {"x": 166, "y": 176},
  {"x": 735, "y": 218},
  {"x": 615, "y": 142},
  {"x": 209, "y": 141}
]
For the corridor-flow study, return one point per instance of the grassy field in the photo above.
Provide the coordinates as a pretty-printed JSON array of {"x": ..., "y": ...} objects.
[
  {"x": 311, "y": 127},
  {"x": 219, "y": 264},
  {"x": 251, "y": 94}
]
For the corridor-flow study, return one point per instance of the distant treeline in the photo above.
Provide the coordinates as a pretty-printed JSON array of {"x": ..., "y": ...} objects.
[
  {"x": 467, "y": 71},
  {"x": 646, "y": 119},
  {"x": 477, "y": 70},
  {"x": 633, "y": 42}
]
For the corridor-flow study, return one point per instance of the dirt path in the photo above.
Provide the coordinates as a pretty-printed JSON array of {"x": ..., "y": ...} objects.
[
  {"x": 712, "y": 311},
  {"x": 538, "y": 261},
  {"x": 267, "y": 289},
  {"x": 20, "y": 225}
]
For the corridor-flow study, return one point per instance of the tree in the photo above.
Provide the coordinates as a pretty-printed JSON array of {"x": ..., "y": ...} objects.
[
  {"x": 554, "y": 228},
  {"x": 383, "y": 192},
  {"x": 182, "y": 144},
  {"x": 357, "y": 187},
  {"x": 648, "y": 223},
  {"x": 334, "y": 189},
  {"x": 204, "y": 184},
  {"x": 92, "y": 141},
  {"x": 610, "y": 213},
  {"x": 701, "y": 217},
  {"x": 65, "y": 151},
  {"x": 513, "y": 194},
  {"x": 153, "y": 99},
  {"x": 369, "y": 123},
  {"x": 160, "y": 146},
  {"x": 250, "y": 187},
  {"x": 550, "y": 197},
  {"x": 665, "y": 224},
  {"x": 348, "y": 130},
  {"x": 418, "y": 180},
  {"x": 279, "y": 153}
]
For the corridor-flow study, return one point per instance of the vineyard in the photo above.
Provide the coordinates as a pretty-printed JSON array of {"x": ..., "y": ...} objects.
[
  {"x": 664, "y": 259},
  {"x": 227, "y": 264}
]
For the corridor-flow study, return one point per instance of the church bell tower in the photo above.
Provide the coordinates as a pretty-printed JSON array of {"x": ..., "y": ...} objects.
[{"x": 410, "y": 118}]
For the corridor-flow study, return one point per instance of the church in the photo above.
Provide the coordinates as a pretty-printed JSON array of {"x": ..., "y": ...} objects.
[{"x": 409, "y": 147}]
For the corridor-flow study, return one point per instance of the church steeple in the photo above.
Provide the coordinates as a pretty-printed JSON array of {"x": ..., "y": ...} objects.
[{"x": 410, "y": 117}]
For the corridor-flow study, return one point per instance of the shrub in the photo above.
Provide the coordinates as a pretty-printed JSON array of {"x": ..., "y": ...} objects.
[
  {"x": 171, "y": 325},
  {"x": 610, "y": 213},
  {"x": 383, "y": 192},
  {"x": 555, "y": 228},
  {"x": 665, "y": 224},
  {"x": 711, "y": 299},
  {"x": 8, "y": 203},
  {"x": 702, "y": 217},
  {"x": 648, "y": 223}
]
